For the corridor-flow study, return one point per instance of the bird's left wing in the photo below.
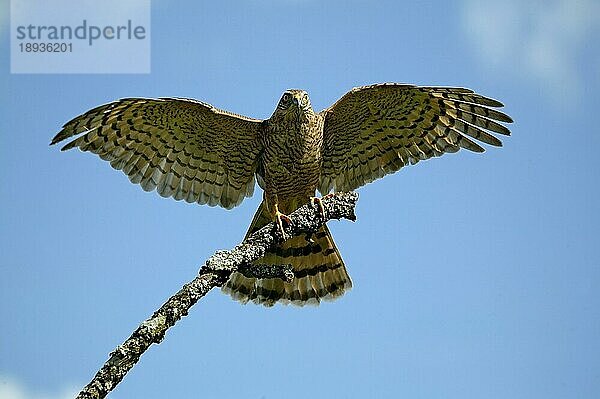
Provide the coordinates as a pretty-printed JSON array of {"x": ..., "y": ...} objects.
[
  {"x": 375, "y": 130},
  {"x": 183, "y": 148}
]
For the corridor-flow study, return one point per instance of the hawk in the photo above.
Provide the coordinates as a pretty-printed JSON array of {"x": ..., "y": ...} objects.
[{"x": 192, "y": 151}]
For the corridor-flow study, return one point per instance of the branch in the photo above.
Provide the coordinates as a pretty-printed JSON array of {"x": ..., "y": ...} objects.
[{"x": 215, "y": 272}]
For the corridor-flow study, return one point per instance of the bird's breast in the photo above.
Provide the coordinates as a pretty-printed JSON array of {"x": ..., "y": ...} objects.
[{"x": 291, "y": 161}]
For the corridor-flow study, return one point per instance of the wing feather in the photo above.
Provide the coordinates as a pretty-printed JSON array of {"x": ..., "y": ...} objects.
[
  {"x": 376, "y": 130},
  {"x": 181, "y": 148}
]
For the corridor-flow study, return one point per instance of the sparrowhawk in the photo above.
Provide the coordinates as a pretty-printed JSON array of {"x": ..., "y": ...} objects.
[{"x": 192, "y": 151}]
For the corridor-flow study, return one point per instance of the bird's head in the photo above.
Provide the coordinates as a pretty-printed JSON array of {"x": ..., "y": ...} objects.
[{"x": 294, "y": 102}]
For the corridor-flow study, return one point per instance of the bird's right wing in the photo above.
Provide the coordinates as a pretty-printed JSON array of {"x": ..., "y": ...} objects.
[{"x": 183, "y": 148}]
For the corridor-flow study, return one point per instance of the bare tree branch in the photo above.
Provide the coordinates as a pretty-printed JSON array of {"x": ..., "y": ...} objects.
[{"x": 215, "y": 273}]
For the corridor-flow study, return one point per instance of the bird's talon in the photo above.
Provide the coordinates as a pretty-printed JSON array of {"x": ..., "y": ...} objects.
[
  {"x": 280, "y": 218},
  {"x": 319, "y": 202}
]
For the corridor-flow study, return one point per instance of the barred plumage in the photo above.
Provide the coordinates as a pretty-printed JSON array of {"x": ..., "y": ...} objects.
[
  {"x": 182, "y": 148},
  {"x": 192, "y": 151}
]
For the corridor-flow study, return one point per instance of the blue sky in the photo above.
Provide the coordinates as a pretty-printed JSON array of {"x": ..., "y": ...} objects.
[{"x": 475, "y": 275}]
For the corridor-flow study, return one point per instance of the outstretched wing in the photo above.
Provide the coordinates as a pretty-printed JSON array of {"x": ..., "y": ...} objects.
[
  {"x": 183, "y": 148},
  {"x": 376, "y": 130}
]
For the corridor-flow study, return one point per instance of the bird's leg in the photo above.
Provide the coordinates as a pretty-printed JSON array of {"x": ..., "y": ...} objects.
[
  {"x": 319, "y": 202},
  {"x": 280, "y": 218}
]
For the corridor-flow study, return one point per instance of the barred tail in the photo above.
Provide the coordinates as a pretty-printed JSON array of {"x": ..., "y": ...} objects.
[{"x": 320, "y": 273}]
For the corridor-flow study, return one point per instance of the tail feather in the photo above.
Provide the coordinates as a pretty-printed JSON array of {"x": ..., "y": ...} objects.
[{"x": 319, "y": 271}]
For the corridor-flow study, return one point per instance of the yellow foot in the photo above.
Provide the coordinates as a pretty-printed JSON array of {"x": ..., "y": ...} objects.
[
  {"x": 319, "y": 201},
  {"x": 280, "y": 218}
]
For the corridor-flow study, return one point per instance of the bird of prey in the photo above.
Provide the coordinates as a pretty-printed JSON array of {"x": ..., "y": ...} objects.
[{"x": 192, "y": 151}]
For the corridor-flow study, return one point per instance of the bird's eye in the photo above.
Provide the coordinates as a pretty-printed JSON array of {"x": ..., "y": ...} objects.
[
  {"x": 304, "y": 101},
  {"x": 286, "y": 98}
]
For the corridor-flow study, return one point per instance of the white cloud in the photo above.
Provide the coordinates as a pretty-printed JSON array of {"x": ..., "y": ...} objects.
[
  {"x": 11, "y": 389},
  {"x": 544, "y": 41}
]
